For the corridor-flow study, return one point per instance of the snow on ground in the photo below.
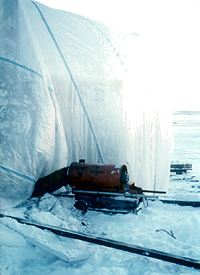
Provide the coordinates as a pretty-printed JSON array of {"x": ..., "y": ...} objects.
[
  {"x": 143, "y": 229},
  {"x": 20, "y": 255}
]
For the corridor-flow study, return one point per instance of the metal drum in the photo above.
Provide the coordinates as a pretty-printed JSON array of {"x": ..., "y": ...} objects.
[{"x": 97, "y": 177}]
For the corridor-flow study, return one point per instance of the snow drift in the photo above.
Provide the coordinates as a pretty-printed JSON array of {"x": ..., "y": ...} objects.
[{"x": 65, "y": 95}]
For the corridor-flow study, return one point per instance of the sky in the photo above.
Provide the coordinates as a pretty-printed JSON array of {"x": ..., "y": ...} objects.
[{"x": 168, "y": 32}]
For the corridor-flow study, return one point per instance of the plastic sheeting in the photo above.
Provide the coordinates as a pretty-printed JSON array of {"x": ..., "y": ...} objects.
[{"x": 64, "y": 96}]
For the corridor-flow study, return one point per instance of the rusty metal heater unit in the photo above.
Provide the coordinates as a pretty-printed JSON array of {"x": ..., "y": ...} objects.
[
  {"x": 97, "y": 177},
  {"x": 95, "y": 186}
]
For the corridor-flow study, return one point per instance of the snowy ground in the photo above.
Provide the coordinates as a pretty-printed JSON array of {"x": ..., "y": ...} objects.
[{"x": 20, "y": 255}]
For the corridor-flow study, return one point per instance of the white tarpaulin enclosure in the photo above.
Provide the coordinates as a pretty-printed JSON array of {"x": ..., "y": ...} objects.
[{"x": 65, "y": 96}]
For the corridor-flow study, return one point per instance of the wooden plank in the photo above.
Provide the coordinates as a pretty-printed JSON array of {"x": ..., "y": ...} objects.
[
  {"x": 181, "y": 202},
  {"x": 185, "y": 261}
]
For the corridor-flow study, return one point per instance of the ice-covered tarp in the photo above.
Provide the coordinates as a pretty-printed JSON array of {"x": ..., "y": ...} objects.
[{"x": 64, "y": 96}]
